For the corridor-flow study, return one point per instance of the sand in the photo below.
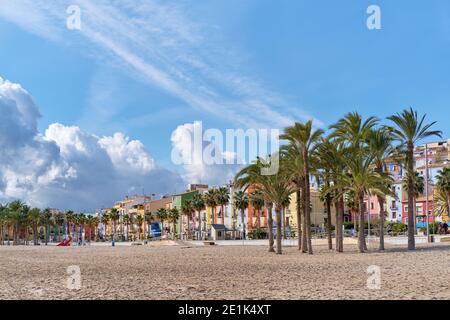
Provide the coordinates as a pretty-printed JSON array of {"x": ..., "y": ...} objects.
[{"x": 222, "y": 272}]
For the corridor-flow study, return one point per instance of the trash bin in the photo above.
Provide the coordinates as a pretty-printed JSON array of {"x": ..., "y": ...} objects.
[{"x": 430, "y": 238}]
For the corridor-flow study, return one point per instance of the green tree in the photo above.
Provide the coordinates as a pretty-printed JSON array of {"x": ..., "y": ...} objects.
[
  {"x": 174, "y": 215},
  {"x": 148, "y": 218},
  {"x": 114, "y": 216},
  {"x": 105, "y": 218},
  {"x": 409, "y": 130},
  {"x": 199, "y": 204},
  {"x": 380, "y": 143},
  {"x": 161, "y": 215},
  {"x": 222, "y": 199},
  {"x": 187, "y": 208},
  {"x": 251, "y": 176},
  {"x": 305, "y": 138},
  {"x": 294, "y": 170},
  {"x": 443, "y": 183},
  {"x": 210, "y": 199},
  {"x": 34, "y": 217},
  {"x": 257, "y": 202},
  {"x": 240, "y": 203},
  {"x": 46, "y": 221},
  {"x": 140, "y": 221},
  {"x": 363, "y": 179}
]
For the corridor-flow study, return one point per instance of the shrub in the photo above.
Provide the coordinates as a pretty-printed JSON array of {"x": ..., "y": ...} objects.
[{"x": 349, "y": 225}]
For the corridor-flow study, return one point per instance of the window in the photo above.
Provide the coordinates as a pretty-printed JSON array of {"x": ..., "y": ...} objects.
[
  {"x": 393, "y": 204},
  {"x": 406, "y": 209},
  {"x": 372, "y": 206}
]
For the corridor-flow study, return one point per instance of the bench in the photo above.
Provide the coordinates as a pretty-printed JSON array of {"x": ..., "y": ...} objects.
[
  {"x": 209, "y": 243},
  {"x": 445, "y": 239}
]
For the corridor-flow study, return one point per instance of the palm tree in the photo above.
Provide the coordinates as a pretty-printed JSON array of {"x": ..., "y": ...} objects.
[
  {"x": 222, "y": 199},
  {"x": 240, "y": 202},
  {"x": 70, "y": 218},
  {"x": 15, "y": 209},
  {"x": 89, "y": 220},
  {"x": 161, "y": 215},
  {"x": 443, "y": 182},
  {"x": 294, "y": 170},
  {"x": 418, "y": 189},
  {"x": 326, "y": 197},
  {"x": 46, "y": 221},
  {"x": 362, "y": 179},
  {"x": 409, "y": 131},
  {"x": 441, "y": 204},
  {"x": 380, "y": 143},
  {"x": 6, "y": 221},
  {"x": 148, "y": 218},
  {"x": 126, "y": 220},
  {"x": 139, "y": 221},
  {"x": 81, "y": 221},
  {"x": 188, "y": 210},
  {"x": 257, "y": 202},
  {"x": 105, "y": 218},
  {"x": 305, "y": 138},
  {"x": 251, "y": 176},
  {"x": 352, "y": 131},
  {"x": 3, "y": 223},
  {"x": 95, "y": 223},
  {"x": 59, "y": 222},
  {"x": 174, "y": 215},
  {"x": 210, "y": 199},
  {"x": 199, "y": 204},
  {"x": 279, "y": 190},
  {"x": 351, "y": 201},
  {"x": 114, "y": 215},
  {"x": 330, "y": 155},
  {"x": 34, "y": 216}
]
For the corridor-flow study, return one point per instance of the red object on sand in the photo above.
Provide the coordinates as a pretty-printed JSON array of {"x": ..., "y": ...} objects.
[{"x": 65, "y": 243}]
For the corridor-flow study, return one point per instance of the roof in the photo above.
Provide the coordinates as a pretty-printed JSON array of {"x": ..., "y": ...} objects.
[{"x": 219, "y": 227}]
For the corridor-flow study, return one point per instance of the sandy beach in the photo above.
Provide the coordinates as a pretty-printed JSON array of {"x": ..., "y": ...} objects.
[{"x": 179, "y": 271}]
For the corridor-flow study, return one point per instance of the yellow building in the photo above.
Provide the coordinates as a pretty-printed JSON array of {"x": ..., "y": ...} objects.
[{"x": 318, "y": 211}]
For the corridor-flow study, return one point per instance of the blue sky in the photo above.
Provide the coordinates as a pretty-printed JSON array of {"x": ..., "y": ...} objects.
[
  {"x": 318, "y": 56},
  {"x": 146, "y": 67}
]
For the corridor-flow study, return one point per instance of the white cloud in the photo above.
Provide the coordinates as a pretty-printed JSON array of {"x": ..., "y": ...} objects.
[
  {"x": 189, "y": 154},
  {"x": 126, "y": 154},
  {"x": 67, "y": 167}
]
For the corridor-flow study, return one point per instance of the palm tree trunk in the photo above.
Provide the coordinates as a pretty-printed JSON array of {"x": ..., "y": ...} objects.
[
  {"x": 199, "y": 228},
  {"x": 307, "y": 200},
  {"x": 243, "y": 223},
  {"x": 189, "y": 228},
  {"x": 304, "y": 233},
  {"x": 174, "y": 230},
  {"x": 35, "y": 236},
  {"x": 382, "y": 219},
  {"x": 330, "y": 241},
  {"x": 269, "y": 207},
  {"x": 299, "y": 220},
  {"x": 339, "y": 204},
  {"x": 46, "y": 234},
  {"x": 411, "y": 209},
  {"x": 279, "y": 218},
  {"x": 361, "y": 235}
]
